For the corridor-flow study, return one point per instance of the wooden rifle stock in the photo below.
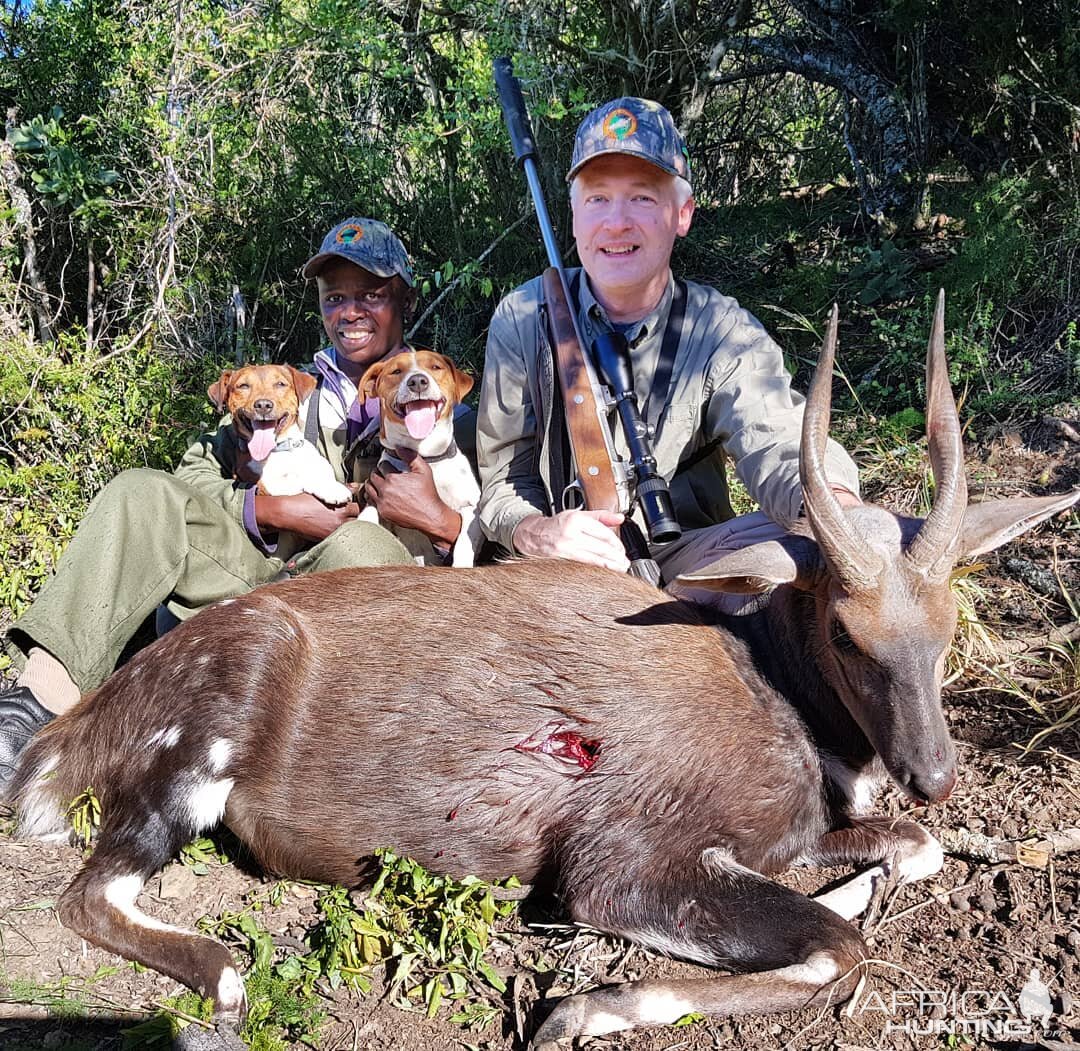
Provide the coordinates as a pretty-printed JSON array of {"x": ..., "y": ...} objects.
[{"x": 596, "y": 476}]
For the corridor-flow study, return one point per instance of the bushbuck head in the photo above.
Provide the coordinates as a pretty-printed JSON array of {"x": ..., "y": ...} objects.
[{"x": 884, "y": 612}]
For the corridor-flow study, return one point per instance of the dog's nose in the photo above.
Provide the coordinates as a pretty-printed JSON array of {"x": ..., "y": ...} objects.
[
  {"x": 418, "y": 383},
  {"x": 264, "y": 405}
]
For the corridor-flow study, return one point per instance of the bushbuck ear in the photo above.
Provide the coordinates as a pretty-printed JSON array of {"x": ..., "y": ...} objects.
[
  {"x": 761, "y": 567},
  {"x": 990, "y": 524},
  {"x": 366, "y": 387},
  {"x": 303, "y": 382},
  {"x": 218, "y": 392}
]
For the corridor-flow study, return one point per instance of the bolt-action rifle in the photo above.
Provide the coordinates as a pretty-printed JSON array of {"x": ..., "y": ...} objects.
[{"x": 604, "y": 481}]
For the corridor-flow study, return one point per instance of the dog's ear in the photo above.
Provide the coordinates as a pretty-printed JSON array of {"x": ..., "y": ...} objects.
[
  {"x": 218, "y": 392},
  {"x": 463, "y": 382},
  {"x": 366, "y": 387},
  {"x": 304, "y": 383}
]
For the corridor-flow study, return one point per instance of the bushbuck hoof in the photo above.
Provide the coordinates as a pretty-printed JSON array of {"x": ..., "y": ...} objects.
[{"x": 223, "y": 1037}]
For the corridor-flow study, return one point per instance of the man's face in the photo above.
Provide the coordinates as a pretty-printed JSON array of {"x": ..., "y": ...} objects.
[
  {"x": 626, "y": 218},
  {"x": 363, "y": 314}
]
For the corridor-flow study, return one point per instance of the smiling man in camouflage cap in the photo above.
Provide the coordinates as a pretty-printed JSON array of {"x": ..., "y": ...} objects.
[
  {"x": 709, "y": 380},
  {"x": 199, "y": 535}
]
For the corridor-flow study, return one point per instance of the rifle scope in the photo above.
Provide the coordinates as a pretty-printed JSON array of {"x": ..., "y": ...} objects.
[{"x": 612, "y": 357}]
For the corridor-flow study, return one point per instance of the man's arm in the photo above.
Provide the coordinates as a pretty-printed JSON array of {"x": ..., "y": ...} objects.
[
  {"x": 752, "y": 408},
  {"x": 210, "y": 464}
]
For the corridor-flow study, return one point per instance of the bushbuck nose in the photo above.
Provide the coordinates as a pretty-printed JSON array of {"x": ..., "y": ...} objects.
[
  {"x": 264, "y": 405},
  {"x": 935, "y": 784}
]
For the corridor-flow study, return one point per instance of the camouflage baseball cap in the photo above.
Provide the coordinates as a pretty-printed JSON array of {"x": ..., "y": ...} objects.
[
  {"x": 637, "y": 127},
  {"x": 367, "y": 243}
]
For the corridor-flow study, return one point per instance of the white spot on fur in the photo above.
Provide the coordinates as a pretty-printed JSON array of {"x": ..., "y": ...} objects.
[
  {"x": 227, "y": 602},
  {"x": 121, "y": 893},
  {"x": 220, "y": 751},
  {"x": 203, "y": 660},
  {"x": 926, "y": 860},
  {"x": 206, "y": 802},
  {"x": 601, "y": 1023},
  {"x": 230, "y": 996},
  {"x": 165, "y": 738},
  {"x": 248, "y": 611},
  {"x": 818, "y": 969},
  {"x": 41, "y": 815},
  {"x": 852, "y": 897},
  {"x": 860, "y": 789}
]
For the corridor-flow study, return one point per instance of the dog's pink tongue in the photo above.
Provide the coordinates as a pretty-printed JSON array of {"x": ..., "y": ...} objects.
[
  {"x": 420, "y": 418},
  {"x": 261, "y": 443}
]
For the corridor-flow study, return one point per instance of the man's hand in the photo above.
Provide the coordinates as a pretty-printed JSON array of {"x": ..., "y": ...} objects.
[
  {"x": 409, "y": 498},
  {"x": 303, "y": 514},
  {"x": 581, "y": 536}
]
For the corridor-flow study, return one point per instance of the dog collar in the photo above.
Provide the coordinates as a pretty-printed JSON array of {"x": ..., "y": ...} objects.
[
  {"x": 392, "y": 455},
  {"x": 287, "y": 444}
]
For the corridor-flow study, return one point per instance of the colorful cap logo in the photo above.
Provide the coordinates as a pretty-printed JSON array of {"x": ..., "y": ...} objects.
[
  {"x": 367, "y": 243},
  {"x": 633, "y": 126},
  {"x": 619, "y": 124}
]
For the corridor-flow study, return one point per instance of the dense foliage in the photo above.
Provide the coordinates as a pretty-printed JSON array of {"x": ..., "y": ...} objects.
[{"x": 168, "y": 167}]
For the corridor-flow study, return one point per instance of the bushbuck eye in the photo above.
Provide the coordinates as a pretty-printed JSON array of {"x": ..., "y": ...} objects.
[{"x": 842, "y": 640}]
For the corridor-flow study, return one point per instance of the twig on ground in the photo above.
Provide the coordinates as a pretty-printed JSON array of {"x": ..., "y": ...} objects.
[{"x": 1031, "y": 853}]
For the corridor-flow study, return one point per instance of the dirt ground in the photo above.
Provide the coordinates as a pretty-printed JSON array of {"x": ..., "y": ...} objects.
[{"x": 954, "y": 952}]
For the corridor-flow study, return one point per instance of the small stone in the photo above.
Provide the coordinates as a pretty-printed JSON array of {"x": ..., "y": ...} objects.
[
  {"x": 987, "y": 901},
  {"x": 963, "y": 934},
  {"x": 1010, "y": 828},
  {"x": 1072, "y": 939},
  {"x": 959, "y": 901},
  {"x": 53, "y": 1039},
  {"x": 177, "y": 882}
]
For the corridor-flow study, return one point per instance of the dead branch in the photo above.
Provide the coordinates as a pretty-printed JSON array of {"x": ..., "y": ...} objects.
[{"x": 1033, "y": 853}]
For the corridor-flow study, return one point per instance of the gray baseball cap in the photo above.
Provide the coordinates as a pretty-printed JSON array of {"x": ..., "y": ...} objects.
[
  {"x": 367, "y": 243},
  {"x": 638, "y": 127}
]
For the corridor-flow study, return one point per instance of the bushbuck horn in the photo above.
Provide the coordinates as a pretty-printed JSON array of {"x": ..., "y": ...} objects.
[
  {"x": 843, "y": 548},
  {"x": 933, "y": 550}
]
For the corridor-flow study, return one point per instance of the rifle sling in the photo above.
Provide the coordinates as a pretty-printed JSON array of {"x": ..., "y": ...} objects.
[
  {"x": 596, "y": 475},
  {"x": 560, "y": 444}
]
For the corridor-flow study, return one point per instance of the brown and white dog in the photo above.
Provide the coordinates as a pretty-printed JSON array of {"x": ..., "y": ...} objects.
[
  {"x": 264, "y": 402},
  {"x": 417, "y": 392}
]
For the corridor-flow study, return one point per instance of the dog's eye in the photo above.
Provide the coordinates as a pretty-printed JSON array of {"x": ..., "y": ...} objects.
[
  {"x": 243, "y": 386},
  {"x": 436, "y": 368},
  {"x": 281, "y": 383}
]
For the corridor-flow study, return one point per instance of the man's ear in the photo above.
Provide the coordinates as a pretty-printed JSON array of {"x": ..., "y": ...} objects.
[
  {"x": 303, "y": 382},
  {"x": 218, "y": 392},
  {"x": 368, "y": 381},
  {"x": 686, "y": 215}
]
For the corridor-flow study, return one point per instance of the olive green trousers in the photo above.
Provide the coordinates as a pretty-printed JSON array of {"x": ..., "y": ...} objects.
[{"x": 149, "y": 538}]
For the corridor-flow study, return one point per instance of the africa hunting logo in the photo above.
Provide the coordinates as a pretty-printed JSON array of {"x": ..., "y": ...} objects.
[
  {"x": 347, "y": 234},
  {"x": 619, "y": 124},
  {"x": 972, "y": 1014}
]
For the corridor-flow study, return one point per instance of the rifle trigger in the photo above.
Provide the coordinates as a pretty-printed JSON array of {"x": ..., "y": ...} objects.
[{"x": 573, "y": 497}]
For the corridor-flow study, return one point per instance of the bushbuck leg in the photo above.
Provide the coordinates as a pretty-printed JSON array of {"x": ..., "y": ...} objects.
[
  {"x": 894, "y": 846},
  {"x": 100, "y": 906},
  {"x": 721, "y": 914}
]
